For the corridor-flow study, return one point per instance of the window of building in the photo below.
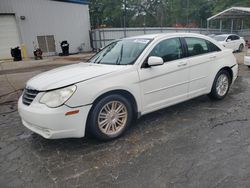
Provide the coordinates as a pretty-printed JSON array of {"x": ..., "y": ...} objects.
[{"x": 46, "y": 43}]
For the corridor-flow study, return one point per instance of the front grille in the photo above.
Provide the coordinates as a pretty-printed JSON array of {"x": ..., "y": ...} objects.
[{"x": 29, "y": 95}]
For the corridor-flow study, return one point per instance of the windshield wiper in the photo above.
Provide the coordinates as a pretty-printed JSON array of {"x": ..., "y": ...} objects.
[
  {"x": 101, "y": 57},
  {"x": 119, "y": 59}
]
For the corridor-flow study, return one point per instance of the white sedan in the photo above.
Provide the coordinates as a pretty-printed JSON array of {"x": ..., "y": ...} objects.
[
  {"x": 247, "y": 59},
  {"x": 231, "y": 41},
  {"x": 129, "y": 78}
]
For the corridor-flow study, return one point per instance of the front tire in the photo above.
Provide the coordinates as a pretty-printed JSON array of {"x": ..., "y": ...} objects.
[
  {"x": 110, "y": 117},
  {"x": 221, "y": 85}
]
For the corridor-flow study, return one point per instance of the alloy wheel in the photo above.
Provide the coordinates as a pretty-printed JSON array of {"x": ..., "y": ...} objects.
[
  {"x": 222, "y": 85},
  {"x": 112, "y": 117}
]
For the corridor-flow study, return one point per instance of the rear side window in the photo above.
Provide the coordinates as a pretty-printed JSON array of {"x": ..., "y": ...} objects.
[
  {"x": 168, "y": 50},
  {"x": 196, "y": 46},
  {"x": 235, "y": 37},
  {"x": 212, "y": 47},
  {"x": 230, "y": 37}
]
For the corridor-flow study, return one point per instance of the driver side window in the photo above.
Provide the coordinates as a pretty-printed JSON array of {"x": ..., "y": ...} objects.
[
  {"x": 230, "y": 37},
  {"x": 168, "y": 50}
]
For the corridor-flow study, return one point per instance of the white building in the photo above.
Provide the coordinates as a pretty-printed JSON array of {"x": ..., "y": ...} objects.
[{"x": 44, "y": 23}]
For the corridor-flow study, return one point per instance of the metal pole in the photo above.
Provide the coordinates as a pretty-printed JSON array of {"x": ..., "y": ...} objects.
[
  {"x": 207, "y": 26},
  {"x": 242, "y": 24},
  {"x": 220, "y": 25},
  {"x": 144, "y": 24},
  {"x": 124, "y": 17},
  {"x": 187, "y": 12},
  {"x": 232, "y": 25}
]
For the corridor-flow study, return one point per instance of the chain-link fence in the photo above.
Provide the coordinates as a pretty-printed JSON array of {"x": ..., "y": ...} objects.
[{"x": 101, "y": 37}]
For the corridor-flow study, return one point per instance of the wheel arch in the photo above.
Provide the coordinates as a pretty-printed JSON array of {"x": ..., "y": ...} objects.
[
  {"x": 129, "y": 96},
  {"x": 229, "y": 70},
  {"x": 121, "y": 92}
]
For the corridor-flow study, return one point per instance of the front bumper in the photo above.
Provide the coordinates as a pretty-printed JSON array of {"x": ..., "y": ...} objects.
[
  {"x": 52, "y": 123},
  {"x": 235, "y": 72},
  {"x": 247, "y": 60}
]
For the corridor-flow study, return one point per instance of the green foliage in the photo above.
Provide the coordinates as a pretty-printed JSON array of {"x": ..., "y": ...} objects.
[{"x": 139, "y": 13}]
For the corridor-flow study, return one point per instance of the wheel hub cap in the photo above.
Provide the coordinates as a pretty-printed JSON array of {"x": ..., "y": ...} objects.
[
  {"x": 222, "y": 85},
  {"x": 112, "y": 117}
]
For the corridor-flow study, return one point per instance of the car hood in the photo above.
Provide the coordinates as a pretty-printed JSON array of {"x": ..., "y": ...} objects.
[{"x": 70, "y": 74}]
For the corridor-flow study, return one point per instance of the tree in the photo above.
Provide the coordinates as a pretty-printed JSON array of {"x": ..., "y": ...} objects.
[{"x": 140, "y": 13}]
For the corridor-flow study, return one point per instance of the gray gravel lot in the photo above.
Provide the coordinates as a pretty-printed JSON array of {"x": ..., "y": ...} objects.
[{"x": 199, "y": 143}]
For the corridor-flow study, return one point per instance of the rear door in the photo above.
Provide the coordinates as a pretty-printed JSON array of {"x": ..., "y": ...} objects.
[{"x": 202, "y": 54}]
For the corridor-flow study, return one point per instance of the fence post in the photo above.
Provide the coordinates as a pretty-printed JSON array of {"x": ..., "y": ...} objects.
[
  {"x": 95, "y": 39},
  {"x": 100, "y": 38},
  {"x": 124, "y": 33},
  {"x": 103, "y": 37},
  {"x": 208, "y": 27}
]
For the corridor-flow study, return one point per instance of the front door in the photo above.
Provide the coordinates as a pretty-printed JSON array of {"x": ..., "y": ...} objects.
[
  {"x": 165, "y": 84},
  {"x": 230, "y": 43}
]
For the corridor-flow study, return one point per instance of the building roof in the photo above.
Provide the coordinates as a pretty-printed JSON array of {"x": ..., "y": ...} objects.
[
  {"x": 233, "y": 12},
  {"x": 84, "y": 2}
]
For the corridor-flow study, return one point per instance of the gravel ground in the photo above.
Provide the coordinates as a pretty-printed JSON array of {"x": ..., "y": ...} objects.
[{"x": 199, "y": 143}]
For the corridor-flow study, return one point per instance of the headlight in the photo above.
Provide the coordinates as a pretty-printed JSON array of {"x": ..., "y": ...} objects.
[{"x": 57, "y": 97}]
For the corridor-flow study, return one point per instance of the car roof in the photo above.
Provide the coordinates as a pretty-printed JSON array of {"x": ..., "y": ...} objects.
[
  {"x": 226, "y": 35},
  {"x": 163, "y": 35}
]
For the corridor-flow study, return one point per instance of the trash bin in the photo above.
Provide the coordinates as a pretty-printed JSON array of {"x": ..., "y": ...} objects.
[
  {"x": 38, "y": 53},
  {"x": 65, "y": 48},
  {"x": 16, "y": 54}
]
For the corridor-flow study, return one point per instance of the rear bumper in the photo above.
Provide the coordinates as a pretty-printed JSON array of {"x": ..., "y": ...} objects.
[{"x": 52, "y": 123}]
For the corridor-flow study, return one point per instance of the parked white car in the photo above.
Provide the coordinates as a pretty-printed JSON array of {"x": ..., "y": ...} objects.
[
  {"x": 247, "y": 59},
  {"x": 128, "y": 78},
  {"x": 231, "y": 41}
]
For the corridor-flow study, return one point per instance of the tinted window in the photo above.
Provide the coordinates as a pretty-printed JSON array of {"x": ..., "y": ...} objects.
[
  {"x": 212, "y": 47},
  {"x": 196, "y": 46},
  {"x": 230, "y": 37},
  {"x": 168, "y": 50},
  {"x": 235, "y": 37}
]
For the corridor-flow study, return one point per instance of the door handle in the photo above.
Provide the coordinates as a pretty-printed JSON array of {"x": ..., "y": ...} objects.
[
  {"x": 182, "y": 64},
  {"x": 212, "y": 57}
]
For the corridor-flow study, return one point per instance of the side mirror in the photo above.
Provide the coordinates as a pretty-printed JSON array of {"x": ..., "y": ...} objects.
[
  {"x": 155, "y": 61},
  {"x": 229, "y": 40}
]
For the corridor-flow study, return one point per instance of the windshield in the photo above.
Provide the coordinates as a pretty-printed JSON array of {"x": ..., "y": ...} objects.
[
  {"x": 220, "y": 38},
  {"x": 121, "y": 52}
]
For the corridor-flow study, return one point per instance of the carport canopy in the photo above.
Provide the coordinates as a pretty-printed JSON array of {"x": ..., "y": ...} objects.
[{"x": 231, "y": 13}]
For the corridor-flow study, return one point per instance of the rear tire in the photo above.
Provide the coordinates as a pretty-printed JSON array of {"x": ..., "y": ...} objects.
[
  {"x": 221, "y": 85},
  {"x": 110, "y": 117}
]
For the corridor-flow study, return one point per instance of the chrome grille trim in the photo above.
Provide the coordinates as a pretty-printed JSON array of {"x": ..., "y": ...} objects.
[{"x": 28, "y": 96}]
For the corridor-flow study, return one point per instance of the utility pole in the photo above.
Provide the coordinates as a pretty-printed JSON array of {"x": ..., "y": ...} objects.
[
  {"x": 187, "y": 12},
  {"x": 125, "y": 18},
  {"x": 125, "y": 14}
]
